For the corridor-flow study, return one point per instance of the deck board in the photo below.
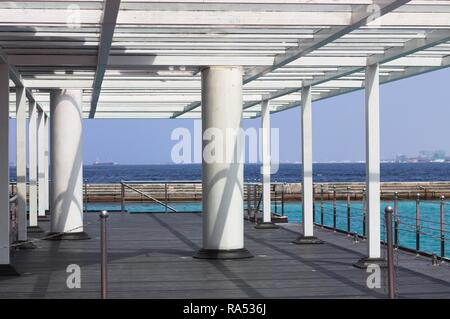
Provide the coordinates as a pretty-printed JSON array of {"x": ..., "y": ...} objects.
[{"x": 150, "y": 256}]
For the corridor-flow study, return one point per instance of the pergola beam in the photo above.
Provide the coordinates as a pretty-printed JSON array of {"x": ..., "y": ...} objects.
[
  {"x": 15, "y": 76},
  {"x": 110, "y": 13},
  {"x": 361, "y": 18},
  {"x": 411, "y": 46}
]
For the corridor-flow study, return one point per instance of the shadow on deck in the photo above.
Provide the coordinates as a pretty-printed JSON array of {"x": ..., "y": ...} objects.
[{"x": 150, "y": 256}]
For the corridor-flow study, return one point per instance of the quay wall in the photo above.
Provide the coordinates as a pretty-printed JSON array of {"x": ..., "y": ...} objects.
[{"x": 288, "y": 191}]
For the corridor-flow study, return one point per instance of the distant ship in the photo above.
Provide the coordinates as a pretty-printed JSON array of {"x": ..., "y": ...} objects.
[{"x": 98, "y": 163}]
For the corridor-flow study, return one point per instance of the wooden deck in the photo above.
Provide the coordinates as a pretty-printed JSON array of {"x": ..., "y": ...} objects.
[{"x": 150, "y": 257}]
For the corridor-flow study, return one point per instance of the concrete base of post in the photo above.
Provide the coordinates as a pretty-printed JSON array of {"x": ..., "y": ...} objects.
[
  {"x": 223, "y": 254},
  {"x": 307, "y": 240},
  {"x": 24, "y": 245},
  {"x": 266, "y": 225},
  {"x": 8, "y": 270},
  {"x": 68, "y": 236},
  {"x": 363, "y": 263},
  {"x": 34, "y": 229}
]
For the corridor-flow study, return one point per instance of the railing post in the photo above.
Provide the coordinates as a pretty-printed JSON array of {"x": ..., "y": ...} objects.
[
  {"x": 104, "y": 256},
  {"x": 364, "y": 212},
  {"x": 85, "y": 196},
  {"x": 442, "y": 230},
  {"x": 282, "y": 200},
  {"x": 275, "y": 199},
  {"x": 417, "y": 223},
  {"x": 165, "y": 197},
  {"x": 396, "y": 239},
  {"x": 390, "y": 255},
  {"x": 321, "y": 205},
  {"x": 122, "y": 196},
  {"x": 314, "y": 203},
  {"x": 334, "y": 208},
  {"x": 247, "y": 188},
  {"x": 348, "y": 212},
  {"x": 255, "y": 202}
]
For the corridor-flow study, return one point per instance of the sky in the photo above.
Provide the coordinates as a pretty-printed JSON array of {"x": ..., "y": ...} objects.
[{"x": 414, "y": 116}]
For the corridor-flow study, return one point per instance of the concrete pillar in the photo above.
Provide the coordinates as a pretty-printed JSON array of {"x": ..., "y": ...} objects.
[
  {"x": 21, "y": 162},
  {"x": 307, "y": 167},
  {"x": 222, "y": 164},
  {"x": 41, "y": 165},
  {"x": 265, "y": 168},
  {"x": 32, "y": 168},
  {"x": 66, "y": 164},
  {"x": 372, "y": 87},
  {"x": 5, "y": 266},
  {"x": 46, "y": 163}
]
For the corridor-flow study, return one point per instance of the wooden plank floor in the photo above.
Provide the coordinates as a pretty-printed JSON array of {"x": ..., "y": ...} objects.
[{"x": 150, "y": 257}]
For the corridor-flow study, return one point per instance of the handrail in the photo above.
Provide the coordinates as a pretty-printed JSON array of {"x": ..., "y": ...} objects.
[
  {"x": 149, "y": 197},
  {"x": 163, "y": 182}
]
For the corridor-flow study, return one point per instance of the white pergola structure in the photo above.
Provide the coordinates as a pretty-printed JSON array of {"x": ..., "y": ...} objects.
[{"x": 148, "y": 59}]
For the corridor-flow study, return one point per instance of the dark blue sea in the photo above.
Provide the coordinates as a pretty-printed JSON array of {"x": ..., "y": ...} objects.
[{"x": 329, "y": 172}]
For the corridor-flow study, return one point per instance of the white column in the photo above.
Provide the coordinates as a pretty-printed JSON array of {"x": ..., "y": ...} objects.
[
  {"x": 307, "y": 170},
  {"x": 4, "y": 168},
  {"x": 32, "y": 166},
  {"x": 372, "y": 87},
  {"x": 41, "y": 164},
  {"x": 265, "y": 167},
  {"x": 46, "y": 163},
  {"x": 222, "y": 175},
  {"x": 307, "y": 185},
  {"x": 265, "y": 121},
  {"x": 21, "y": 162},
  {"x": 66, "y": 164}
]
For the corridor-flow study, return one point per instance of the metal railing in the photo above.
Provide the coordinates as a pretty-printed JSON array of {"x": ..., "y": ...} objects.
[
  {"x": 127, "y": 185},
  {"x": 14, "y": 231},
  {"x": 336, "y": 206},
  {"x": 347, "y": 218}
]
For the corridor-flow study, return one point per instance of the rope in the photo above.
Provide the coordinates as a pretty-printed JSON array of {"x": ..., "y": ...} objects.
[{"x": 15, "y": 245}]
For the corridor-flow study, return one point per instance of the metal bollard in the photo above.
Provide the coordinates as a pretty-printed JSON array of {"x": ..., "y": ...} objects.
[
  {"x": 321, "y": 205},
  {"x": 104, "y": 257},
  {"x": 442, "y": 230},
  {"x": 282, "y": 200},
  {"x": 390, "y": 255},
  {"x": 417, "y": 223},
  {"x": 334, "y": 208},
  {"x": 364, "y": 212},
  {"x": 396, "y": 239},
  {"x": 348, "y": 212}
]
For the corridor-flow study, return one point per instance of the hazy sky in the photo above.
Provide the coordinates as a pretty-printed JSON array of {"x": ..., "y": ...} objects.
[{"x": 415, "y": 114}]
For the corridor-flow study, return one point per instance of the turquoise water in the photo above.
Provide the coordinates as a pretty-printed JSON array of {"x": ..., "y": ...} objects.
[{"x": 429, "y": 213}]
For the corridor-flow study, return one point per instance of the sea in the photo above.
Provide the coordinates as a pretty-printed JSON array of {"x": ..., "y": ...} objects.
[{"x": 287, "y": 173}]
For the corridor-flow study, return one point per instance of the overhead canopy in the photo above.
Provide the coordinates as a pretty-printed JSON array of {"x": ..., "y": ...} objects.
[{"x": 142, "y": 59}]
